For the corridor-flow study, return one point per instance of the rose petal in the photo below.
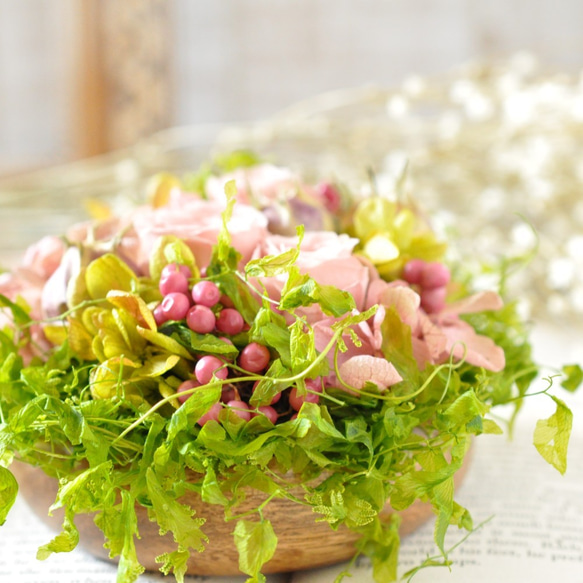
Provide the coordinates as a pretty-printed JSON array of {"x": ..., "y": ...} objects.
[
  {"x": 478, "y": 350},
  {"x": 480, "y": 302},
  {"x": 359, "y": 370}
]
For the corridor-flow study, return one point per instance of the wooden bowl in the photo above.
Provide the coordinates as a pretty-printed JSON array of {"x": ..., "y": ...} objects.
[{"x": 302, "y": 542}]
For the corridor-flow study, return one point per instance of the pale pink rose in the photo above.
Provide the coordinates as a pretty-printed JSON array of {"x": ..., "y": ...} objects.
[
  {"x": 198, "y": 223},
  {"x": 325, "y": 256},
  {"x": 44, "y": 257},
  {"x": 260, "y": 185}
]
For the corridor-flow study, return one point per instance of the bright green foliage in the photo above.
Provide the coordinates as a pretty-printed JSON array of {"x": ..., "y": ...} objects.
[
  {"x": 256, "y": 543},
  {"x": 100, "y": 411},
  {"x": 551, "y": 436}
]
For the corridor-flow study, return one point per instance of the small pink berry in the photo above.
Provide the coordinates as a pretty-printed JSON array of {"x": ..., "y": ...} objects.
[
  {"x": 173, "y": 282},
  {"x": 228, "y": 394},
  {"x": 254, "y": 357},
  {"x": 230, "y": 321},
  {"x": 434, "y": 275},
  {"x": 175, "y": 306},
  {"x": 433, "y": 300},
  {"x": 268, "y": 411},
  {"x": 159, "y": 315},
  {"x": 206, "y": 293},
  {"x": 241, "y": 409},
  {"x": 329, "y": 196},
  {"x": 176, "y": 268},
  {"x": 213, "y": 414},
  {"x": 208, "y": 366},
  {"x": 201, "y": 319},
  {"x": 186, "y": 386},
  {"x": 413, "y": 270}
]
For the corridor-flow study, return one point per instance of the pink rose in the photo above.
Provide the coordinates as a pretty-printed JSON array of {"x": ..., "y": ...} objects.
[
  {"x": 198, "y": 222},
  {"x": 44, "y": 257},
  {"x": 261, "y": 185}
]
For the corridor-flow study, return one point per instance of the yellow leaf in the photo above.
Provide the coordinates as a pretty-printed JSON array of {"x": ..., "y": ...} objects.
[
  {"x": 80, "y": 340},
  {"x": 97, "y": 209},
  {"x": 164, "y": 342},
  {"x": 56, "y": 335},
  {"x": 135, "y": 305},
  {"x": 107, "y": 273},
  {"x": 159, "y": 188}
]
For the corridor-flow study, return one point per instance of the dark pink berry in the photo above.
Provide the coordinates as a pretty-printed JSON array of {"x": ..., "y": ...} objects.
[
  {"x": 434, "y": 275},
  {"x": 230, "y": 321},
  {"x": 175, "y": 306},
  {"x": 254, "y": 357},
  {"x": 413, "y": 270},
  {"x": 159, "y": 316},
  {"x": 209, "y": 365},
  {"x": 201, "y": 319},
  {"x": 433, "y": 300},
  {"x": 173, "y": 282},
  {"x": 228, "y": 394},
  {"x": 329, "y": 196},
  {"x": 268, "y": 411},
  {"x": 206, "y": 293},
  {"x": 176, "y": 268},
  {"x": 240, "y": 408},
  {"x": 213, "y": 414},
  {"x": 186, "y": 386}
]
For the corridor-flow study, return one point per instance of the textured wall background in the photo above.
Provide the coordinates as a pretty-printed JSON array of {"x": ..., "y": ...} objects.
[{"x": 242, "y": 59}]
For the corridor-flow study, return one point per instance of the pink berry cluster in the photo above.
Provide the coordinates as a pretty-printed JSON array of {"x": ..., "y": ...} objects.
[
  {"x": 205, "y": 310},
  {"x": 431, "y": 280}
]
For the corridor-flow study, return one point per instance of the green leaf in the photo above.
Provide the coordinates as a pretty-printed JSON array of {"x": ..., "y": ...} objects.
[
  {"x": 211, "y": 492},
  {"x": 256, "y": 543},
  {"x": 64, "y": 542},
  {"x": 174, "y": 517},
  {"x": 302, "y": 290},
  {"x": 237, "y": 159},
  {"x": 574, "y": 377},
  {"x": 8, "y": 492},
  {"x": 119, "y": 525},
  {"x": 193, "y": 409},
  {"x": 164, "y": 342},
  {"x": 210, "y": 344},
  {"x": 268, "y": 387},
  {"x": 551, "y": 436},
  {"x": 19, "y": 314},
  {"x": 107, "y": 273},
  {"x": 270, "y": 329},
  {"x": 175, "y": 562},
  {"x": 272, "y": 265}
]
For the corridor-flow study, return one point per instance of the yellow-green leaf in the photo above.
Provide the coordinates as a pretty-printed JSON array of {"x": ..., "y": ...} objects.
[
  {"x": 165, "y": 342},
  {"x": 133, "y": 304},
  {"x": 107, "y": 273},
  {"x": 551, "y": 436}
]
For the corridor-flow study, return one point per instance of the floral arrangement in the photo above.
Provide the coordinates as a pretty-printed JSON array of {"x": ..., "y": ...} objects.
[{"x": 241, "y": 326}]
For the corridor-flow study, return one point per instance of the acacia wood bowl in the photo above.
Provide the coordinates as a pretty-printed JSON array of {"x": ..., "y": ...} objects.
[{"x": 302, "y": 542}]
